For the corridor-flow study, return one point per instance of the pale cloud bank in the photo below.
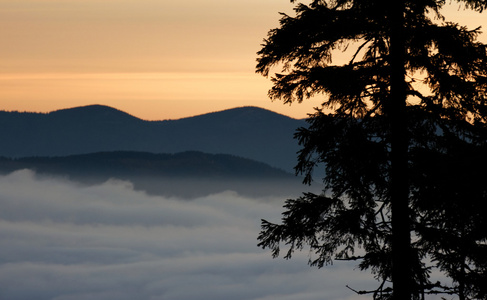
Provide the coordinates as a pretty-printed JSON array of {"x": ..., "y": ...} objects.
[{"x": 63, "y": 241}]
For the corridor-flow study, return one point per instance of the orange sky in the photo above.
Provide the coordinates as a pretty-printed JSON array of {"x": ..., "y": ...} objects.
[{"x": 155, "y": 59}]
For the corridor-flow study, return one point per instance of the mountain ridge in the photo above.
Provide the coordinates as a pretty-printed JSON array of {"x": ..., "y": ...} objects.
[
  {"x": 186, "y": 174},
  {"x": 116, "y": 163},
  {"x": 248, "y": 132}
]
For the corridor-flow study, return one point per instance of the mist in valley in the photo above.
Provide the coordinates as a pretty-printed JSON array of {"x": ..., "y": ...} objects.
[{"x": 66, "y": 240}]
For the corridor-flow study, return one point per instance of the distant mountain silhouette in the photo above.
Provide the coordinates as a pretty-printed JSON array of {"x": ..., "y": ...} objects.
[
  {"x": 127, "y": 163},
  {"x": 248, "y": 132},
  {"x": 93, "y": 113},
  {"x": 184, "y": 174}
]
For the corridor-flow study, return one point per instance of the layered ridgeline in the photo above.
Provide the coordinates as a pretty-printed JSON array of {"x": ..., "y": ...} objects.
[
  {"x": 247, "y": 132},
  {"x": 248, "y": 150}
]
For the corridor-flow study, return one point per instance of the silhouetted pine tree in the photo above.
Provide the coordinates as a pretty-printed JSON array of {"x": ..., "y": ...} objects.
[{"x": 412, "y": 86}]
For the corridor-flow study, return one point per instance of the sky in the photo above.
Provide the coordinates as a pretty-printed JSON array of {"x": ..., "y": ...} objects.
[
  {"x": 64, "y": 241},
  {"x": 155, "y": 59}
]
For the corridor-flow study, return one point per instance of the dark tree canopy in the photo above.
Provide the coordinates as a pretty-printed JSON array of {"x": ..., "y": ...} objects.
[
  {"x": 444, "y": 121},
  {"x": 442, "y": 56}
]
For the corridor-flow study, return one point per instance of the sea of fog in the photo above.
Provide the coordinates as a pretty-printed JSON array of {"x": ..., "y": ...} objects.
[{"x": 61, "y": 240}]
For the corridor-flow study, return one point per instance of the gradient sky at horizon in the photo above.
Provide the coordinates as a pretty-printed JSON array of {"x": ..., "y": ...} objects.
[{"x": 154, "y": 59}]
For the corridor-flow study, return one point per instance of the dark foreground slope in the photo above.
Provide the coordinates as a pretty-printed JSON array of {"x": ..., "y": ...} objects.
[
  {"x": 186, "y": 174},
  {"x": 248, "y": 132}
]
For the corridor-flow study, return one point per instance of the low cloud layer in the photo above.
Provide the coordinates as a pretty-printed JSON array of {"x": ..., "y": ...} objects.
[{"x": 63, "y": 241}]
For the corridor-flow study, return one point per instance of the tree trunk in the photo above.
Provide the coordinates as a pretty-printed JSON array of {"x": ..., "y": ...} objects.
[{"x": 401, "y": 235}]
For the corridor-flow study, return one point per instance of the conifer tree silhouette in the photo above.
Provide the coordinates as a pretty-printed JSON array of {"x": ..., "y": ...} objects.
[{"x": 412, "y": 83}]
